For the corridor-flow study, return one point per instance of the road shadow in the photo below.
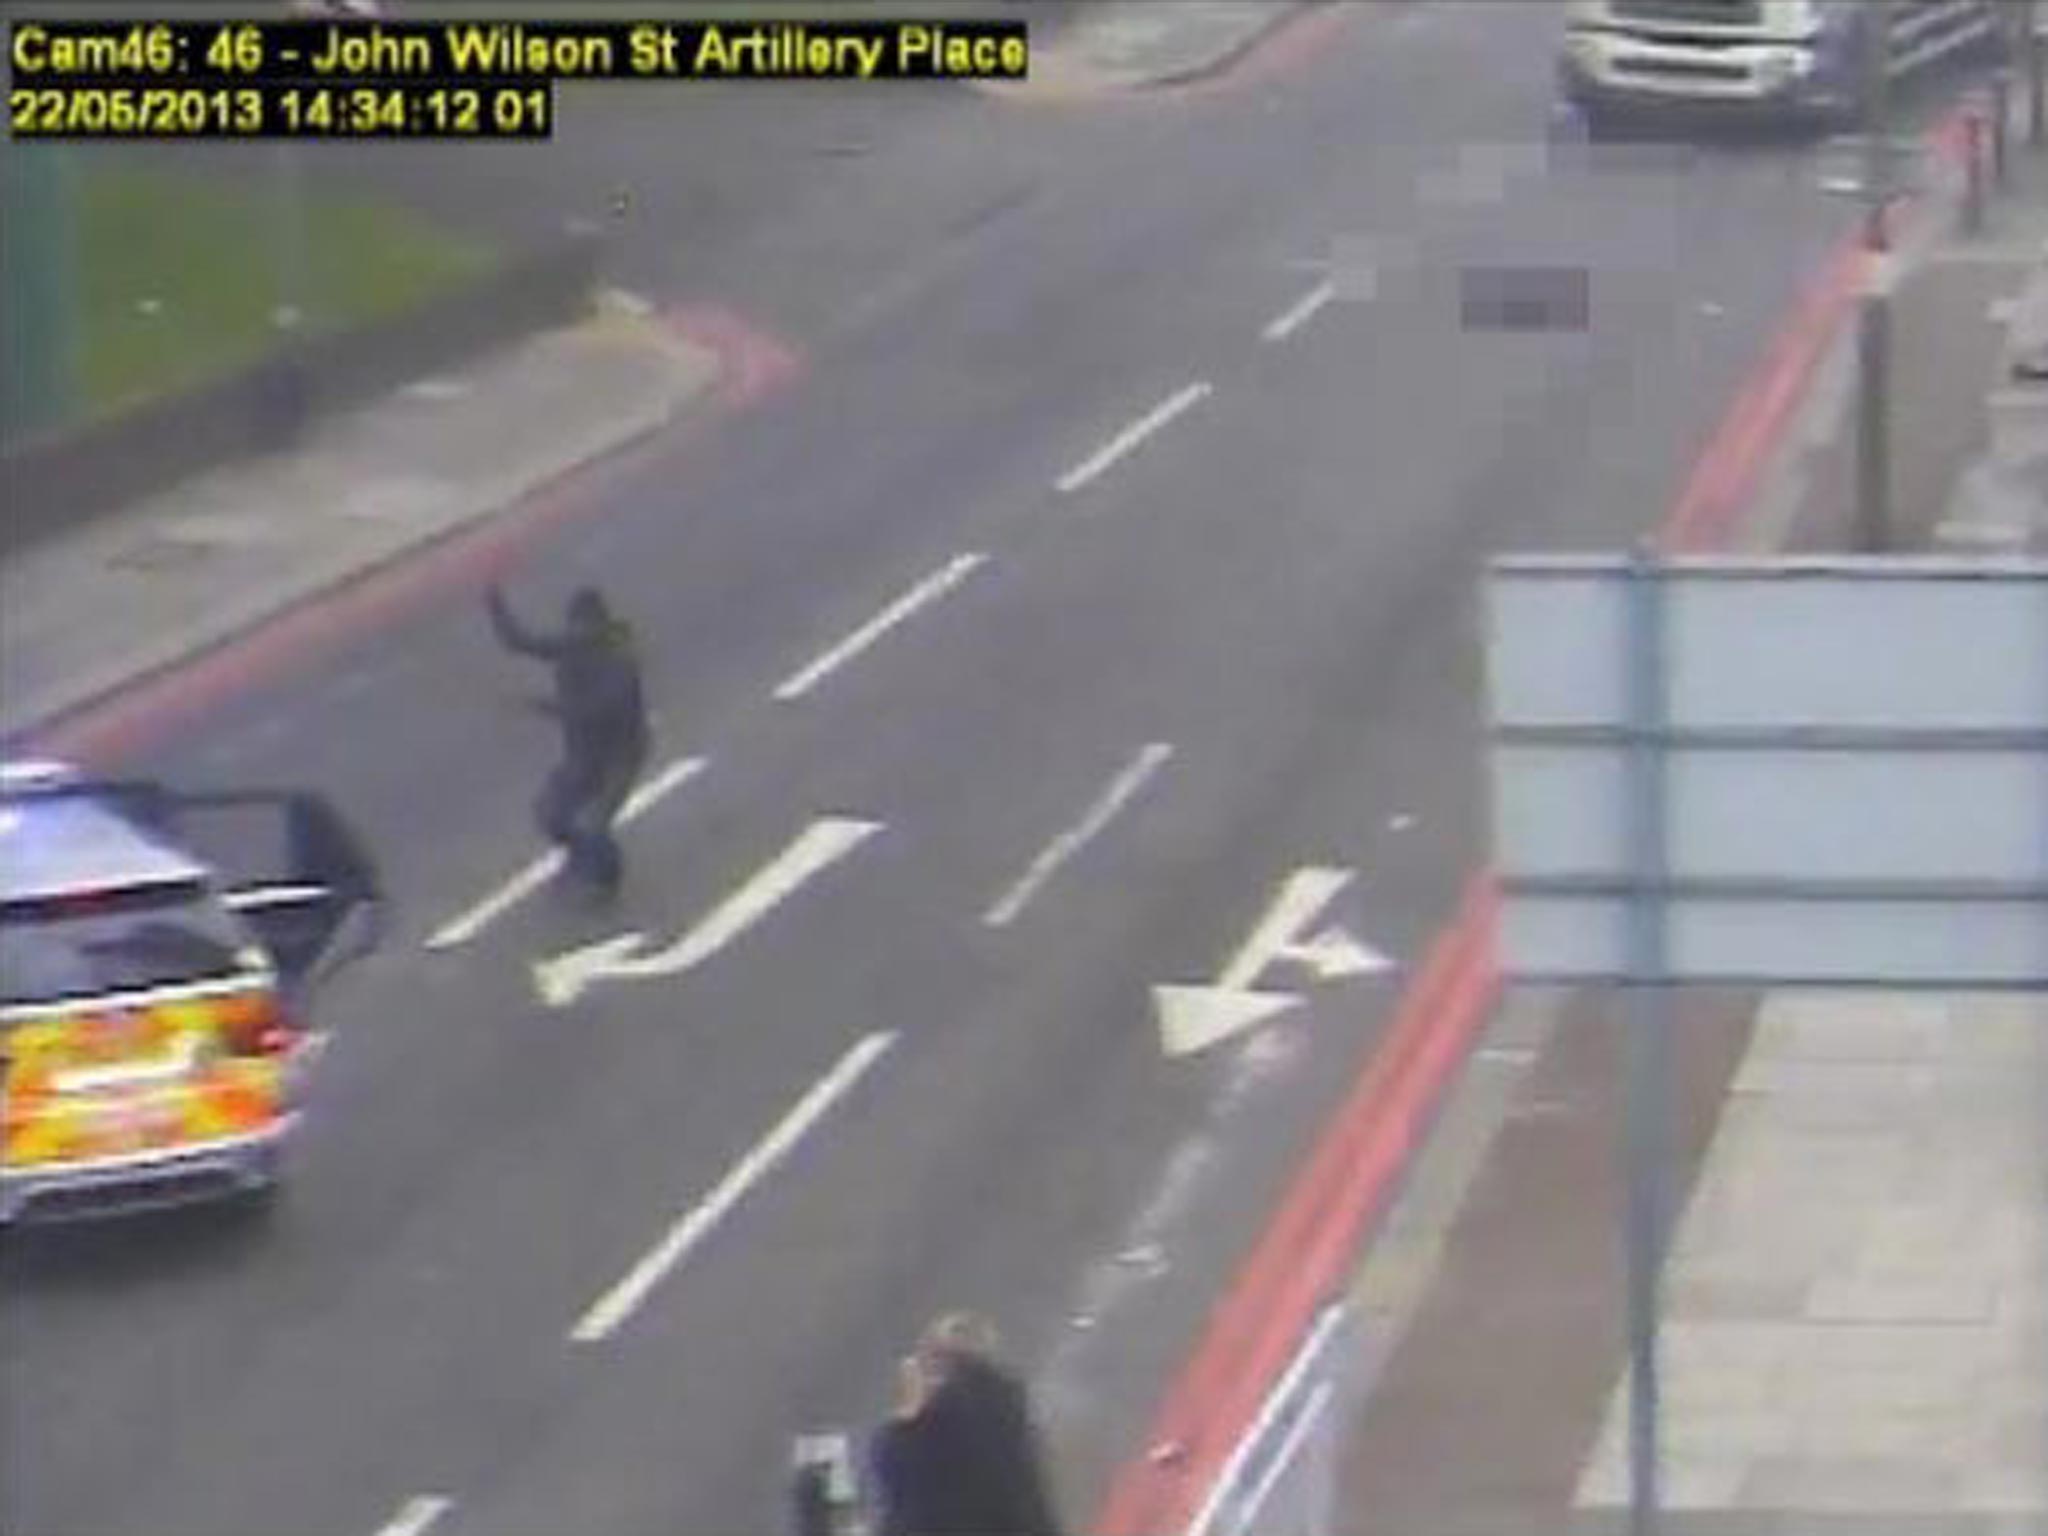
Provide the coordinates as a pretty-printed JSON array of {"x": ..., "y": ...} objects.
[{"x": 114, "y": 1254}]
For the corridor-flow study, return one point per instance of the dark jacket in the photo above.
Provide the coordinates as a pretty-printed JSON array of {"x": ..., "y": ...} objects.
[
  {"x": 966, "y": 1464},
  {"x": 598, "y": 695}
]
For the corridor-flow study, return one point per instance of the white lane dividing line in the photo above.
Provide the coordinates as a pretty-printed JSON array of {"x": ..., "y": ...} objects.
[
  {"x": 1113, "y": 799},
  {"x": 1300, "y": 312},
  {"x": 927, "y": 591},
  {"x": 1283, "y": 1459},
  {"x": 616, "y": 1305},
  {"x": 1136, "y": 433},
  {"x": 415, "y": 1515},
  {"x": 1228, "y": 1480},
  {"x": 462, "y": 929}
]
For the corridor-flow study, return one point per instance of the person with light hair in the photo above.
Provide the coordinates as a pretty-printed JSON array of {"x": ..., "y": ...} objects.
[{"x": 960, "y": 1456}]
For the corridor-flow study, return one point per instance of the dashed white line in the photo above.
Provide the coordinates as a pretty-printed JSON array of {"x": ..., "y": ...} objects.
[
  {"x": 1173, "y": 405},
  {"x": 415, "y": 1515},
  {"x": 1300, "y": 312},
  {"x": 929, "y": 590},
  {"x": 697, "y": 1223},
  {"x": 1121, "y": 789},
  {"x": 536, "y": 874}
]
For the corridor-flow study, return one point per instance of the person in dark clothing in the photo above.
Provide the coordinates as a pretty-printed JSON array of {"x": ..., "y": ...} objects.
[
  {"x": 961, "y": 1457},
  {"x": 599, "y": 702}
]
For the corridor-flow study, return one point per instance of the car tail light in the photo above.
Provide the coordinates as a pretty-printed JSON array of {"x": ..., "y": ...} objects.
[{"x": 255, "y": 1024}]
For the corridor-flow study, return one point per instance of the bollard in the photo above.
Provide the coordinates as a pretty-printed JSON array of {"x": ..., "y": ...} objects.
[
  {"x": 1873, "y": 413},
  {"x": 2037, "y": 86},
  {"x": 2001, "y": 109},
  {"x": 1973, "y": 172}
]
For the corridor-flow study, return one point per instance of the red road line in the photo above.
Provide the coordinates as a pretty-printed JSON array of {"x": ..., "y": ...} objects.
[
  {"x": 1344, "y": 1186},
  {"x": 1334, "y": 1200},
  {"x": 1291, "y": 43},
  {"x": 1236, "y": 1328},
  {"x": 1726, "y": 473},
  {"x": 753, "y": 364},
  {"x": 1713, "y": 494}
]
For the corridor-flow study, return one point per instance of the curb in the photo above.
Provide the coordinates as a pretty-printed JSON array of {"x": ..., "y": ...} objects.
[
  {"x": 101, "y": 719},
  {"x": 1284, "y": 13},
  {"x": 1074, "y": 78},
  {"x": 1313, "y": 1239}
]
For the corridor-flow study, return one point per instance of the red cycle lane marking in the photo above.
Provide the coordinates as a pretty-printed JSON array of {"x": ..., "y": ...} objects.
[
  {"x": 1286, "y": 47},
  {"x": 1245, "y": 1347},
  {"x": 1726, "y": 471},
  {"x": 1290, "y": 45},
  {"x": 1329, "y": 1208},
  {"x": 115, "y": 727}
]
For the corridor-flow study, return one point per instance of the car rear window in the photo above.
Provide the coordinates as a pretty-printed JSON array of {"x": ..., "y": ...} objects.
[{"x": 55, "y": 950}]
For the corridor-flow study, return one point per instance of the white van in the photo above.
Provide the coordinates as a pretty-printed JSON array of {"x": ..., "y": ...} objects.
[{"x": 1797, "y": 62}]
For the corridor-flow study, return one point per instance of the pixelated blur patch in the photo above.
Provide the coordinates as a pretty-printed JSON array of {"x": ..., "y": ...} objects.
[
  {"x": 1356, "y": 262},
  {"x": 1524, "y": 298},
  {"x": 1647, "y": 157},
  {"x": 1483, "y": 173}
]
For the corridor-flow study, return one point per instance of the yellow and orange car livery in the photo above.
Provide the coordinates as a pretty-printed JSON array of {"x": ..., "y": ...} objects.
[{"x": 152, "y": 1073}]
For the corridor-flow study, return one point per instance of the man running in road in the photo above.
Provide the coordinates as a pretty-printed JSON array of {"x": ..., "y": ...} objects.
[{"x": 605, "y": 738}]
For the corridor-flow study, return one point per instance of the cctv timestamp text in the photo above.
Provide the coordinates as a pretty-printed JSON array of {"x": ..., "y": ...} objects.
[{"x": 408, "y": 109}]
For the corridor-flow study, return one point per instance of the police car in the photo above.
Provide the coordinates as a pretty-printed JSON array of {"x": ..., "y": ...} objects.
[{"x": 154, "y": 1036}]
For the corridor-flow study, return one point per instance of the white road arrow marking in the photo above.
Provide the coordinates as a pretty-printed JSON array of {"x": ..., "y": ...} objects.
[
  {"x": 415, "y": 1515},
  {"x": 1334, "y": 953},
  {"x": 1330, "y": 953},
  {"x": 1191, "y": 1019},
  {"x": 561, "y": 980},
  {"x": 565, "y": 978}
]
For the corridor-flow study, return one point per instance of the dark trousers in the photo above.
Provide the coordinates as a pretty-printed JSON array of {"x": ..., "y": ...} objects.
[{"x": 579, "y": 805}]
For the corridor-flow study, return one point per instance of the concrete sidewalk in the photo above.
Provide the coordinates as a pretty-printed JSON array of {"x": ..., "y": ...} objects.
[
  {"x": 148, "y": 585},
  {"x": 1856, "y": 1318},
  {"x": 1855, "y": 1325},
  {"x": 1133, "y": 45}
]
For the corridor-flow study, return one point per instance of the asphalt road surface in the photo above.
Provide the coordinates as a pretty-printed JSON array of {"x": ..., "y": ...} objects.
[{"x": 1094, "y": 581}]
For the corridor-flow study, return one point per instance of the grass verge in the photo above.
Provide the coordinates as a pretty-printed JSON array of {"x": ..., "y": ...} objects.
[{"x": 181, "y": 276}]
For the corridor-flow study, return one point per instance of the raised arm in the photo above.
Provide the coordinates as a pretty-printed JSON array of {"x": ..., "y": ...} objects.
[{"x": 516, "y": 636}]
